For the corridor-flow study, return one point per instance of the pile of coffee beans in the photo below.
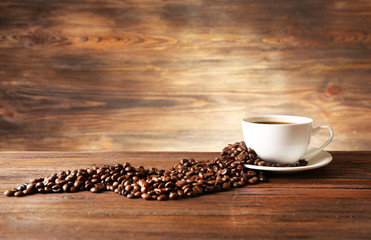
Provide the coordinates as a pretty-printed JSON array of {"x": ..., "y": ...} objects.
[
  {"x": 188, "y": 178},
  {"x": 240, "y": 153}
]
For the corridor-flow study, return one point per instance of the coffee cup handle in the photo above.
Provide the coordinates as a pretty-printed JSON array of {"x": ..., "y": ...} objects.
[{"x": 314, "y": 132}]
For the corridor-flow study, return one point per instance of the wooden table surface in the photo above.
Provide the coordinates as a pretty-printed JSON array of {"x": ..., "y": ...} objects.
[{"x": 333, "y": 202}]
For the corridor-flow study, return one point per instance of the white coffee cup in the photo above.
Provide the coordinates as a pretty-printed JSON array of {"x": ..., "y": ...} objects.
[{"x": 280, "y": 138}]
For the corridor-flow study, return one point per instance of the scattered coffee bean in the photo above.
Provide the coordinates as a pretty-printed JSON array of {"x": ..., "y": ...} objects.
[
  {"x": 188, "y": 178},
  {"x": 9, "y": 193},
  {"x": 94, "y": 190},
  {"x": 146, "y": 196},
  {"x": 162, "y": 197},
  {"x": 18, "y": 194}
]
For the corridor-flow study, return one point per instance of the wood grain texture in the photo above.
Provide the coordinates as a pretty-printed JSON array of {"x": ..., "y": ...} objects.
[
  {"x": 327, "y": 203},
  {"x": 172, "y": 76}
]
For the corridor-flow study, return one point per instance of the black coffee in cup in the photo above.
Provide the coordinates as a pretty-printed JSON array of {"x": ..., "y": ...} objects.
[{"x": 274, "y": 122}]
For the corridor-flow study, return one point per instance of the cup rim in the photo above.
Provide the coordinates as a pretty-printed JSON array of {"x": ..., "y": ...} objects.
[{"x": 297, "y": 120}]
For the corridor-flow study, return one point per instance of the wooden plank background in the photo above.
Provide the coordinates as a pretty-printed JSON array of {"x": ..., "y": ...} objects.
[{"x": 179, "y": 75}]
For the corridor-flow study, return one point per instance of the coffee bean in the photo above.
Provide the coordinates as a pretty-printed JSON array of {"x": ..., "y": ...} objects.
[
  {"x": 19, "y": 193},
  {"x": 26, "y": 192},
  {"x": 197, "y": 190},
  {"x": 226, "y": 186},
  {"x": 9, "y": 193},
  {"x": 146, "y": 196},
  {"x": 57, "y": 189},
  {"x": 137, "y": 194},
  {"x": 47, "y": 190},
  {"x": 158, "y": 191},
  {"x": 169, "y": 185},
  {"x": 251, "y": 173},
  {"x": 262, "y": 178},
  {"x": 59, "y": 181},
  {"x": 261, "y": 163},
  {"x": 173, "y": 196},
  {"x": 21, "y": 188},
  {"x": 142, "y": 183},
  {"x": 41, "y": 190},
  {"x": 225, "y": 171},
  {"x": 180, "y": 193},
  {"x": 253, "y": 180},
  {"x": 66, "y": 187},
  {"x": 131, "y": 196},
  {"x": 162, "y": 197}
]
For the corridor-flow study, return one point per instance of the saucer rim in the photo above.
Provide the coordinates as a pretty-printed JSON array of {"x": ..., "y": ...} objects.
[{"x": 327, "y": 158}]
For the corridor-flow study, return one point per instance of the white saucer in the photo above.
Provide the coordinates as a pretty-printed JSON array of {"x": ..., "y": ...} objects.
[{"x": 321, "y": 159}]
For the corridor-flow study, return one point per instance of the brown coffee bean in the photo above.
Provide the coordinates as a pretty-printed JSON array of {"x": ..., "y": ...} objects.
[
  {"x": 27, "y": 192},
  {"x": 66, "y": 187},
  {"x": 137, "y": 194},
  {"x": 21, "y": 188},
  {"x": 130, "y": 196},
  {"x": 253, "y": 180},
  {"x": 129, "y": 169},
  {"x": 39, "y": 185},
  {"x": 57, "y": 188},
  {"x": 162, "y": 197},
  {"x": 136, "y": 187},
  {"x": 47, "y": 189},
  {"x": 250, "y": 161},
  {"x": 261, "y": 163},
  {"x": 211, "y": 182},
  {"x": 95, "y": 180},
  {"x": 101, "y": 186},
  {"x": 180, "y": 193},
  {"x": 9, "y": 193},
  {"x": 158, "y": 191},
  {"x": 262, "y": 178},
  {"x": 19, "y": 193},
  {"x": 59, "y": 181},
  {"x": 187, "y": 190},
  {"x": 236, "y": 184},
  {"x": 251, "y": 173},
  {"x": 226, "y": 186},
  {"x": 225, "y": 171},
  {"x": 173, "y": 196},
  {"x": 128, "y": 188},
  {"x": 197, "y": 190},
  {"x": 142, "y": 183},
  {"x": 146, "y": 196},
  {"x": 169, "y": 185},
  {"x": 240, "y": 167}
]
